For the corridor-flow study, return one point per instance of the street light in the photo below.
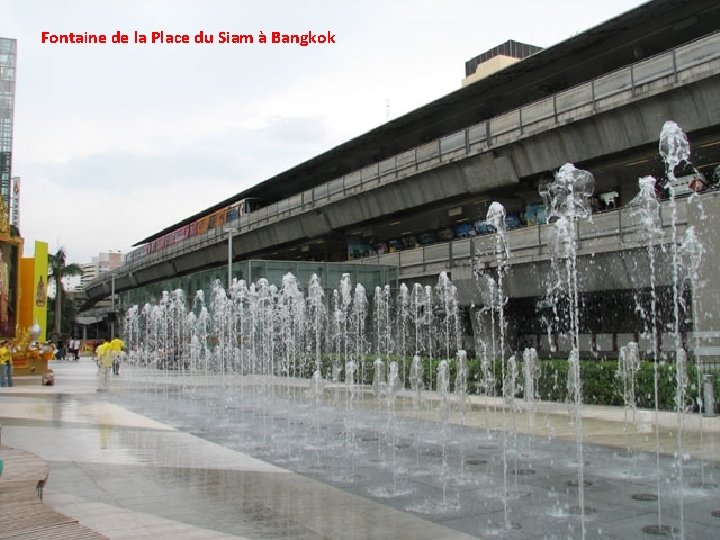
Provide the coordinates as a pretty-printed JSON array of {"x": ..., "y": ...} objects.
[
  {"x": 230, "y": 231},
  {"x": 112, "y": 306}
]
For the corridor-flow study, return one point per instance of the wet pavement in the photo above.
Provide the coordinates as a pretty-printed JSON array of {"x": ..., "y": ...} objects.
[
  {"x": 177, "y": 457},
  {"x": 128, "y": 476}
]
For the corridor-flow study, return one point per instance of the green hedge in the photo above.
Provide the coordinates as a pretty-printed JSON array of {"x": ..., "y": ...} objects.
[{"x": 601, "y": 386}]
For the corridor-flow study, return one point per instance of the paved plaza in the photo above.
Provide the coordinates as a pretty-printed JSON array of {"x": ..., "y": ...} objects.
[{"x": 119, "y": 467}]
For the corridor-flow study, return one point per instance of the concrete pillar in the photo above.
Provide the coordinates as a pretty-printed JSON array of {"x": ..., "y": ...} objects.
[{"x": 702, "y": 215}]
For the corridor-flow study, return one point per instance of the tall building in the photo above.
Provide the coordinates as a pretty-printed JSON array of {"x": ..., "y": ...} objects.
[
  {"x": 8, "y": 57},
  {"x": 104, "y": 262},
  {"x": 495, "y": 59},
  {"x": 15, "y": 202}
]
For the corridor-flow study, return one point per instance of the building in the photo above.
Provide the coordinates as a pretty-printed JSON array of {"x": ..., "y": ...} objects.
[
  {"x": 89, "y": 273},
  {"x": 104, "y": 262},
  {"x": 495, "y": 59},
  {"x": 8, "y": 57},
  {"x": 414, "y": 192},
  {"x": 15, "y": 203}
]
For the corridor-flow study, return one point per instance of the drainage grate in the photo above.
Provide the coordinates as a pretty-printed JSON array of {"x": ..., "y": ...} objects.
[
  {"x": 659, "y": 530},
  {"x": 498, "y": 529},
  {"x": 575, "y": 509},
  {"x": 487, "y": 446},
  {"x": 645, "y": 497},
  {"x": 574, "y": 483}
]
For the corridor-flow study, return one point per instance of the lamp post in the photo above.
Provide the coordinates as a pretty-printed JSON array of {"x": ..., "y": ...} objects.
[
  {"x": 112, "y": 306},
  {"x": 230, "y": 231}
]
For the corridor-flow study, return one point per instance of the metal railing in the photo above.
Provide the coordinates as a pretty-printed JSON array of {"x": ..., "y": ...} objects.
[{"x": 619, "y": 229}]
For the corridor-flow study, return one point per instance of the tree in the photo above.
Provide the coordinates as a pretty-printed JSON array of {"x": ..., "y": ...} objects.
[
  {"x": 67, "y": 311},
  {"x": 58, "y": 269}
]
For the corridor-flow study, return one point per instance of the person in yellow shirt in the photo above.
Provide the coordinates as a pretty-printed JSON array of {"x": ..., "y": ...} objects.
[
  {"x": 104, "y": 363},
  {"x": 116, "y": 347},
  {"x": 5, "y": 364}
]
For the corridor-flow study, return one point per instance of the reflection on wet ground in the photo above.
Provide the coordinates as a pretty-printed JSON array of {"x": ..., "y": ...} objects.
[{"x": 158, "y": 456}]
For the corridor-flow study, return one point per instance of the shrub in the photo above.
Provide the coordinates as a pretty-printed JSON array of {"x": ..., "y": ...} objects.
[{"x": 600, "y": 384}]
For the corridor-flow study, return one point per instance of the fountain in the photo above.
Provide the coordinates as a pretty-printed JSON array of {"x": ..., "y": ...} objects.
[
  {"x": 362, "y": 392},
  {"x": 628, "y": 366},
  {"x": 531, "y": 374},
  {"x": 567, "y": 201}
]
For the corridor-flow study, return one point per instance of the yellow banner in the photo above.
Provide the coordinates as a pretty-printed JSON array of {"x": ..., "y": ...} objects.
[
  {"x": 26, "y": 285},
  {"x": 40, "y": 287}
]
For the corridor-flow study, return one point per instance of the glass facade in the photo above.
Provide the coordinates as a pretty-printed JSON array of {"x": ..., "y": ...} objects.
[
  {"x": 370, "y": 276},
  {"x": 8, "y": 56}
]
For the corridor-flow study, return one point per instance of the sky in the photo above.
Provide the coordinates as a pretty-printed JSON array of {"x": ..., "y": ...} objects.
[{"x": 114, "y": 142}]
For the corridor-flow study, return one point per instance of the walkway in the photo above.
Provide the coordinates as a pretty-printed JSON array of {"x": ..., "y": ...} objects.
[
  {"x": 24, "y": 514},
  {"x": 130, "y": 477}
]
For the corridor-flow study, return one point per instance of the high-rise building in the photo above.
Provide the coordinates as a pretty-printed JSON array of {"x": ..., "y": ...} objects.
[
  {"x": 15, "y": 202},
  {"x": 104, "y": 262},
  {"x": 495, "y": 59},
  {"x": 8, "y": 57},
  {"x": 89, "y": 272}
]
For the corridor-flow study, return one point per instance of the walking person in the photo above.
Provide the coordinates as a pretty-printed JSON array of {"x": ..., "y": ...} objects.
[
  {"x": 5, "y": 364},
  {"x": 104, "y": 363},
  {"x": 116, "y": 346}
]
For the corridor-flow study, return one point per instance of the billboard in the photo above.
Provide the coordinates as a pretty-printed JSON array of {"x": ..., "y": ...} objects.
[{"x": 40, "y": 277}]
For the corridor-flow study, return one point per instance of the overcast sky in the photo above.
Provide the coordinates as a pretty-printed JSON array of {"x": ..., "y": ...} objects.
[{"x": 115, "y": 142}]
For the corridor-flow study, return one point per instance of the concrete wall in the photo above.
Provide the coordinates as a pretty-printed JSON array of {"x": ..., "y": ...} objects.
[{"x": 706, "y": 295}]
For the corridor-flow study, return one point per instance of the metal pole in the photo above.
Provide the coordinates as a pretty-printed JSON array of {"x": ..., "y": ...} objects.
[
  {"x": 112, "y": 304},
  {"x": 230, "y": 257}
]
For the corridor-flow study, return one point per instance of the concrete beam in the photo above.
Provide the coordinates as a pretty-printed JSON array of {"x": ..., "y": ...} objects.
[
  {"x": 693, "y": 107},
  {"x": 163, "y": 270}
]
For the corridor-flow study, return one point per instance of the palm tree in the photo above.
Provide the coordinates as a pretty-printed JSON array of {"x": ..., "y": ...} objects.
[{"x": 59, "y": 269}]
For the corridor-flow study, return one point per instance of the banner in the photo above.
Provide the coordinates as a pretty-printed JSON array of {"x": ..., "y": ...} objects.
[
  {"x": 40, "y": 288},
  {"x": 26, "y": 302}
]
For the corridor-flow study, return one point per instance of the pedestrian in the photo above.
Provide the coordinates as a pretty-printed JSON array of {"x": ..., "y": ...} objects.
[
  {"x": 116, "y": 348},
  {"x": 5, "y": 364},
  {"x": 76, "y": 349},
  {"x": 104, "y": 364}
]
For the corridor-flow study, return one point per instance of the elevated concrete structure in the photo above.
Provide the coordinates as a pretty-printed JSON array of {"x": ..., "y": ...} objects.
[
  {"x": 608, "y": 124},
  {"x": 616, "y": 117},
  {"x": 651, "y": 29}
]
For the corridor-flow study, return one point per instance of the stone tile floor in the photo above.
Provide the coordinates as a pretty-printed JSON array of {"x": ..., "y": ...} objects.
[{"x": 120, "y": 467}]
